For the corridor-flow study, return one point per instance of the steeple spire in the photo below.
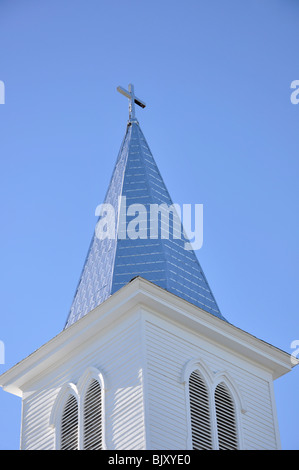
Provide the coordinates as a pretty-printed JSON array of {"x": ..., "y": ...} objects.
[
  {"x": 132, "y": 100},
  {"x": 112, "y": 262}
]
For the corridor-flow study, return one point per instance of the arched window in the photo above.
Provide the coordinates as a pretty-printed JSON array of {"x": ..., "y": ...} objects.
[
  {"x": 69, "y": 425},
  {"x": 78, "y": 413},
  {"x": 226, "y": 419},
  {"x": 92, "y": 417},
  {"x": 200, "y": 413}
]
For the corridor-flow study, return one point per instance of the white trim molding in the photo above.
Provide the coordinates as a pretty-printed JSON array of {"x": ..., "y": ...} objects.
[
  {"x": 239, "y": 402},
  {"x": 225, "y": 377},
  {"x": 90, "y": 374},
  {"x": 56, "y": 413},
  {"x": 207, "y": 375},
  {"x": 143, "y": 292},
  {"x": 197, "y": 364}
]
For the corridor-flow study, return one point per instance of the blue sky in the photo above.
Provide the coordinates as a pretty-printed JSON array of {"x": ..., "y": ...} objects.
[{"x": 216, "y": 80}]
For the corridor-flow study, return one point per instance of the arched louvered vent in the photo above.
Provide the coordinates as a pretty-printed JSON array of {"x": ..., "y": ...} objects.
[
  {"x": 93, "y": 417},
  {"x": 226, "y": 421},
  {"x": 200, "y": 413},
  {"x": 69, "y": 425}
]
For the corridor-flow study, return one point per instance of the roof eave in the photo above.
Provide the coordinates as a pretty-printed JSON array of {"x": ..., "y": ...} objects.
[{"x": 140, "y": 292}]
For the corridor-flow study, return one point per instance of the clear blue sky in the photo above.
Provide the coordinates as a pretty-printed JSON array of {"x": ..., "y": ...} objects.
[{"x": 216, "y": 79}]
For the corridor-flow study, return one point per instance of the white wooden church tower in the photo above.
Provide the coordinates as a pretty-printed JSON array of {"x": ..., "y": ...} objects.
[{"x": 146, "y": 360}]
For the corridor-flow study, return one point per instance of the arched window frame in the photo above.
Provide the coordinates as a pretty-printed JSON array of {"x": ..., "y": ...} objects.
[
  {"x": 211, "y": 380},
  {"x": 66, "y": 391},
  {"x": 239, "y": 404},
  {"x": 78, "y": 391},
  {"x": 91, "y": 374},
  {"x": 207, "y": 377}
]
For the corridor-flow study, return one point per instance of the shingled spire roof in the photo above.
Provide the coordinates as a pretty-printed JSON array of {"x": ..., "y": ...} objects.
[{"x": 112, "y": 262}]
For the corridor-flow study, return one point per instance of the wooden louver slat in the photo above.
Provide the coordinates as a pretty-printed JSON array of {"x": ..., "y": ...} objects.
[
  {"x": 93, "y": 417},
  {"x": 226, "y": 422},
  {"x": 200, "y": 413},
  {"x": 69, "y": 425}
]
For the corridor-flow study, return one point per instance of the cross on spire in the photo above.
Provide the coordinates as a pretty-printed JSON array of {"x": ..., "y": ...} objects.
[{"x": 132, "y": 100}]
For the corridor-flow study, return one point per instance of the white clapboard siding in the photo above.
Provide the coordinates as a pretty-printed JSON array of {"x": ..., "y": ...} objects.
[
  {"x": 145, "y": 401},
  {"x": 168, "y": 349},
  {"x": 117, "y": 354}
]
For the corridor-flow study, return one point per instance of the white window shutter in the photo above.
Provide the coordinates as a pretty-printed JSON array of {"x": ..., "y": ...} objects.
[
  {"x": 69, "y": 425},
  {"x": 93, "y": 439},
  {"x": 226, "y": 421},
  {"x": 200, "y": 413}
]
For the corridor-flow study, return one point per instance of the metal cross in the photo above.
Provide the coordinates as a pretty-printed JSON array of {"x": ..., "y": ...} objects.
[{"x": 132, "y": 100}]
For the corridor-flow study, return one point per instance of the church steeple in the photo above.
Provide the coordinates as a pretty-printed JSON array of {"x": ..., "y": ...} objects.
[
  {"x": 112, "y": 262},
  {"x": 151, "y": 364}
]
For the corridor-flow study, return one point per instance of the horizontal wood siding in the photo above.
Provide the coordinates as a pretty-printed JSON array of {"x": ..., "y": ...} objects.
[
  {"x": 168, "y": 350},
  {"x": 117, "y": 356},
  {"x": 145, "y": 402}
]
